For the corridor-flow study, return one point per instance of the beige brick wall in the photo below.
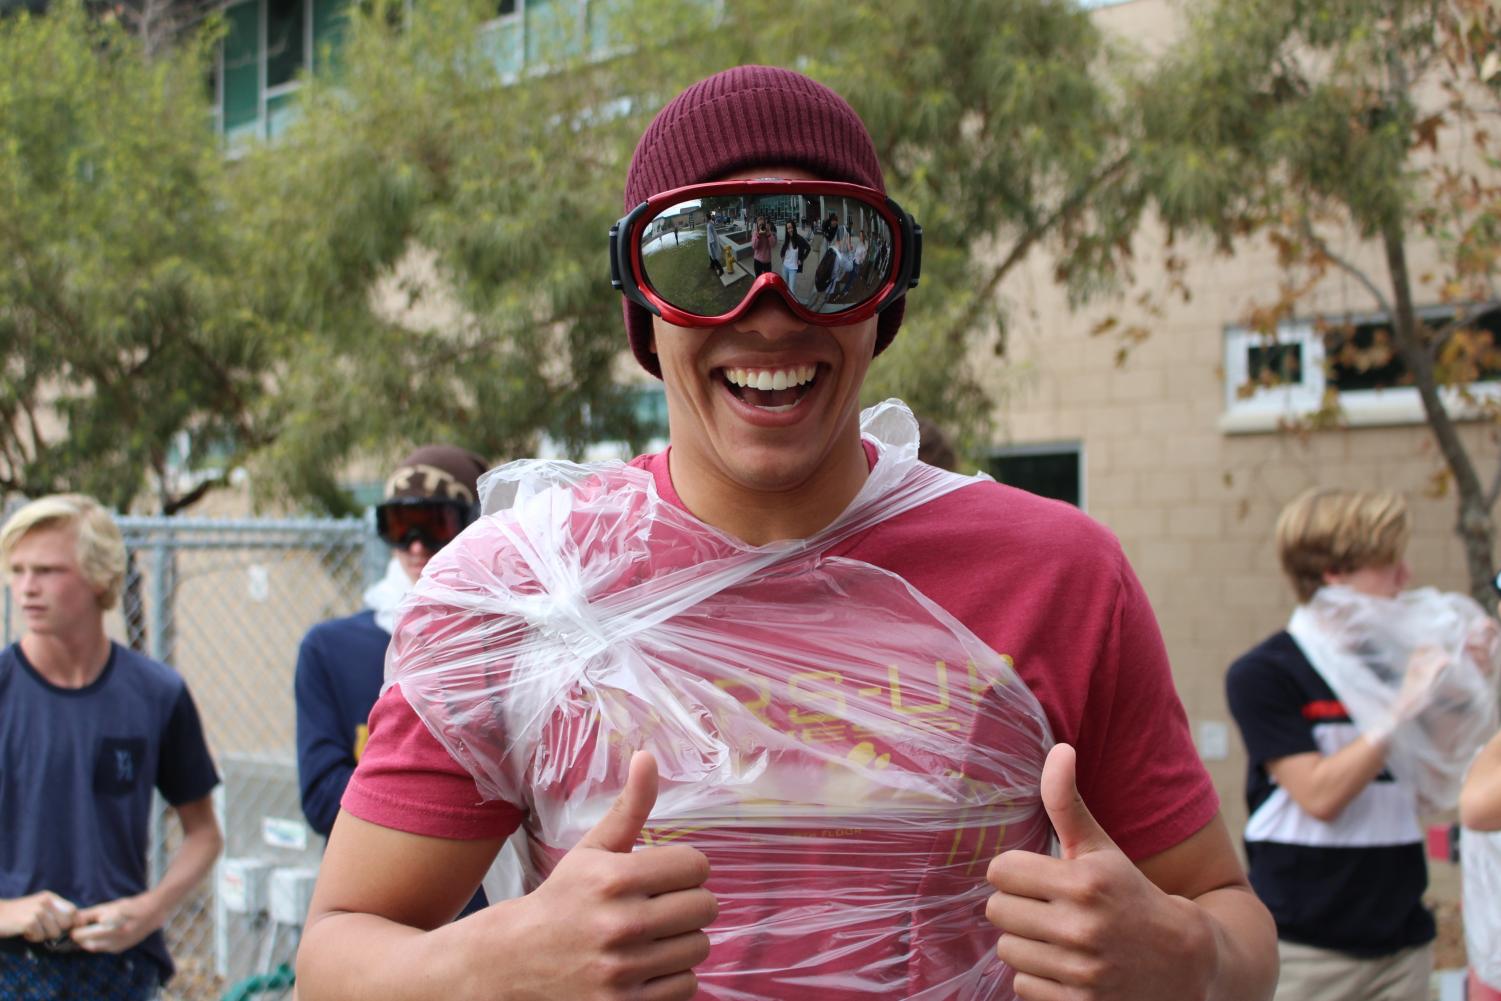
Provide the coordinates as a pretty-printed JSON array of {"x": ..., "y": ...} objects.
[{"x": 1194, "y": 506}]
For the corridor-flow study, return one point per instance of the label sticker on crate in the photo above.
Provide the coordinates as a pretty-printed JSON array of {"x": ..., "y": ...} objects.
[{"x": 279, "y": 832}]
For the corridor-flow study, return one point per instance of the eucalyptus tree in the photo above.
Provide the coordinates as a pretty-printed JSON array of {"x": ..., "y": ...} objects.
[
  {"x": 122, "y": 331},
  {"x": 1301, "y": 121}
]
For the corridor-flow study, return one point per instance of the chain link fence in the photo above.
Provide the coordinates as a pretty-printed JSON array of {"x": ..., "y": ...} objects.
[{"x": 226, "y": 603}]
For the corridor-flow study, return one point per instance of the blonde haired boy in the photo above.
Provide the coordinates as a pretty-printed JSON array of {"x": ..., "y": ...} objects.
[
  {"x": 1333, "y": 842},
  {"x": 87, "y": 730}
]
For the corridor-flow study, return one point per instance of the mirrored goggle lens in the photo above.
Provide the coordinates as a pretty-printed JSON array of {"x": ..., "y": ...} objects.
[
  {"x": 701, "y": 254},
  {"x": 435, "y": 524}
]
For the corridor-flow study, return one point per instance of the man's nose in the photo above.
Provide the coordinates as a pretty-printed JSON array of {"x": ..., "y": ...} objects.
[{"x": 770, "y": 317}]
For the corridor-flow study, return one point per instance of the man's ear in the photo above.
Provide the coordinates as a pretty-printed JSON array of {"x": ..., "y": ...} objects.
[{"x": 1333, "y": 577}]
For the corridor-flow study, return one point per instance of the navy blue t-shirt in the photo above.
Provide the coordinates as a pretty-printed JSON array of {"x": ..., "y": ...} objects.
[
  {"x": 1353, "y": 884},
  {"x": 77, "y": 767}
]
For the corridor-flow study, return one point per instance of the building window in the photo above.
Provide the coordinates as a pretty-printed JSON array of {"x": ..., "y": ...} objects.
[
  {"x": 268, "y": 47},
  {"x": 1349, "y": 361},
  {"x": 1055, "y": 471},
  {"x": 501, "y": 38},
  {"x": 270, "y": 43},
  {"x": 287, "y": 28},
  {"x": 240, "y": 70},
  {"x": 552, "y": 28},
  {"x": 534, "y": 33}
]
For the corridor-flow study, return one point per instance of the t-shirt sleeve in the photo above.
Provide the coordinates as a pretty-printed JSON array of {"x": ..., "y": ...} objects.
[
  {"x": 185, "y": 770},
  {"x": 409, "y": 782},
  {"x": 1268, "y": 708},
  {"x": 1140, "y": 773}
]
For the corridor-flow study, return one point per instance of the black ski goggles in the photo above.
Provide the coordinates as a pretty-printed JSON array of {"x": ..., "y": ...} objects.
[
  {"x": 690, "y": 255},
  {"x": 435, "y": 523}
]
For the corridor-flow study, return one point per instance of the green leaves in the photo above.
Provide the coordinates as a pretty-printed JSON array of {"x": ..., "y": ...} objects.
[
  {"x": 1300, "y": 121},
  {"x": 422, "y": 254},
  {"x": 112, "y": 238}
]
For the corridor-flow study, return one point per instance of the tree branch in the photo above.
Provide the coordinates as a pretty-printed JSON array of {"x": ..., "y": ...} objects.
[
  {"x": 172, "y": 506},
  {"x": 1347, "y": 266},
  {"x": 1475, "y": 527},
  {"x": 33, "y": 427},
  {"x": 1019, "y": 250},
  {"x": 1494, "y": 493}
]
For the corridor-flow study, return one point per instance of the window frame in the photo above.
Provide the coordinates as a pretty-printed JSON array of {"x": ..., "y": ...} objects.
[
  {"x": 266, "y": 95},
  {"x": 1270, "y": 408}
]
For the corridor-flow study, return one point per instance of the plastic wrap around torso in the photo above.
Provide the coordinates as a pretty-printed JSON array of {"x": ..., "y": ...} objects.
[
  {"x": 847, "y": 755},
  {"x": 1361, "y": 646}
]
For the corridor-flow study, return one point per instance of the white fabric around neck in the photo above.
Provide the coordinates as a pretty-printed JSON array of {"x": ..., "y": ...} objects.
[{"x": 384, "y": 596}]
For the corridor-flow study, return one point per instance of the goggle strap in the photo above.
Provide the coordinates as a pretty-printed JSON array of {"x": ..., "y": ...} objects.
[
  {"x": 916, "y": 256},
  {"x": 620, "y": 264}
]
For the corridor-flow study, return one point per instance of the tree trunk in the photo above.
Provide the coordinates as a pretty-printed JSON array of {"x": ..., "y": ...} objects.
[{"x": 1474, "y": 525}]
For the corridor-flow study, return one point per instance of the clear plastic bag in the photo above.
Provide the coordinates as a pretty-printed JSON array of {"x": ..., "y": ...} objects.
[
  {"x": 847, "y": 754},
  {"x": 1362, "y": 646},
  {"x": 1480, "y": 860}
]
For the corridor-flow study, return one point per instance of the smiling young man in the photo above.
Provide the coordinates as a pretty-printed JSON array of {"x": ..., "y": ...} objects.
[
  {"x": 823, "y": 755},
  {"x": 87, "y": 730}
]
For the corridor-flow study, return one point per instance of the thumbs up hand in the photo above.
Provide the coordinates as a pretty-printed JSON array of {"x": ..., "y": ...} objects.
[
  {"x": 1090, "y": 924},
  {"x": 613, "y": 923},
  {"x": 619, "y": 828}
]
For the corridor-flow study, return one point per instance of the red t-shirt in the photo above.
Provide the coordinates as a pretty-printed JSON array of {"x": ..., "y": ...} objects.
[{"x": 1037, "y": 582}]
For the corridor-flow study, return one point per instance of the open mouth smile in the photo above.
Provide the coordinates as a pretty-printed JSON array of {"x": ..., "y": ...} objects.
[{"x": 772, "y": 389}]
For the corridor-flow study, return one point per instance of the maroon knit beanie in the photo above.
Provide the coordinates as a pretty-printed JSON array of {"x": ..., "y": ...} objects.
[{"x": 743, "y": 117}]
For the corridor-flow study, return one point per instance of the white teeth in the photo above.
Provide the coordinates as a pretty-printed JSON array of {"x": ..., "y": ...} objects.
[{"x": 770, "y": 379}]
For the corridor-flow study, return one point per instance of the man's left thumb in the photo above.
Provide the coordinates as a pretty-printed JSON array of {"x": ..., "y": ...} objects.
[{"x": 1078, "y": 832}]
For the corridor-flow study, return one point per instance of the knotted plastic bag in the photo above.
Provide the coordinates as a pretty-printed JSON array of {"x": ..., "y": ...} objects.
[
  {"x": 847, "y": 754},
  {"x": 1362, "y": 645}
]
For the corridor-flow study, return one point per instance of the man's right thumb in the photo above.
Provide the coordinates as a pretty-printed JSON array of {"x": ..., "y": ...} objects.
[{"x": 619, "y": 828}]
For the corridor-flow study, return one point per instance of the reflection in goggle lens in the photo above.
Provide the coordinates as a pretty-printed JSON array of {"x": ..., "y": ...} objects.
[{"x": 700, "y": 254}]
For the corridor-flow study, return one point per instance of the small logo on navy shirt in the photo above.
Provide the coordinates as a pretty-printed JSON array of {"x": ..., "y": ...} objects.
[{"x": 117, "y": 767}]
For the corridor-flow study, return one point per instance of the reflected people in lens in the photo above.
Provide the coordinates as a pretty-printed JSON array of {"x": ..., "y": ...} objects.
[{"x": 832, "y": 251}]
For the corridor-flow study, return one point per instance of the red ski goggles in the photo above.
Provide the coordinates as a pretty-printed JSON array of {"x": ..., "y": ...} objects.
[
  {"x": 690, "y": 255},
  {"x": 435, "y": 523}
]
